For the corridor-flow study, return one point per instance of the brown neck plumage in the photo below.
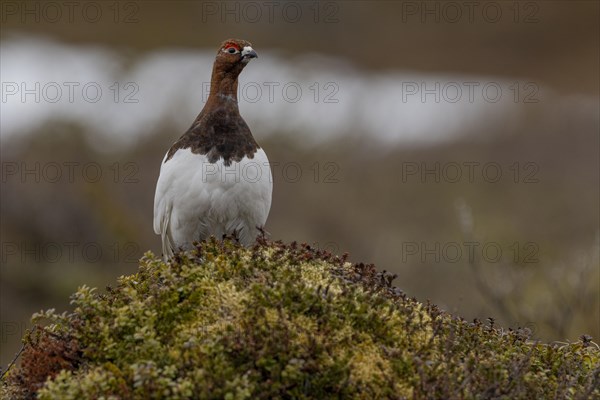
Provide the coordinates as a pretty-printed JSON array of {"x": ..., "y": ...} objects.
[
  {"x": 223, "y": 87},
  {"x": 219, "y": 131}
]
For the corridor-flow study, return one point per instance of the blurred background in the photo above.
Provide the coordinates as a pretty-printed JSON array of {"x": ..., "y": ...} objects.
[{"x": 455, "y": 144}]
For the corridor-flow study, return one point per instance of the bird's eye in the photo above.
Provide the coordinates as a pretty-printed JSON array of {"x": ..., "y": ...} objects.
[{"x": 231, "y": 50}]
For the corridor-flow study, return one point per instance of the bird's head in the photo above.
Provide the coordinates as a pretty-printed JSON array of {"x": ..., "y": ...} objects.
[{"x": 233, "y": 55}]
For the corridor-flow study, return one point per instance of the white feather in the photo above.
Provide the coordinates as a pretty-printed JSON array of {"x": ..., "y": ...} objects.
[{"x": 195, "y": 199}]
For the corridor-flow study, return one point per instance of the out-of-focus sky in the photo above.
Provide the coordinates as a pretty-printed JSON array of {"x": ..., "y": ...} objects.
[{"x": 453, "y": 143}]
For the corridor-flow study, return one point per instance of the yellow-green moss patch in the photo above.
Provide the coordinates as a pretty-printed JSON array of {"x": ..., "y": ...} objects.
[{"x": 282, "y": 321}]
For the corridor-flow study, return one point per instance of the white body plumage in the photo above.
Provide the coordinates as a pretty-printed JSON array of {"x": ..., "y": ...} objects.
[{"x": 195, "y": 199}]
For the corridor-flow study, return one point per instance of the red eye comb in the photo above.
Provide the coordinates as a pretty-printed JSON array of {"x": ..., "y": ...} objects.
[{"x": 234, "y": 45}]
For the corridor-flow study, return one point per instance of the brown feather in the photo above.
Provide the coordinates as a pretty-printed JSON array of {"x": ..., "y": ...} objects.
[{"x": 219, "y": 130}]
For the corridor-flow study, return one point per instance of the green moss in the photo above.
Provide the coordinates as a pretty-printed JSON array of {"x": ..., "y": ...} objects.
[{"x": 283, "y": 321}]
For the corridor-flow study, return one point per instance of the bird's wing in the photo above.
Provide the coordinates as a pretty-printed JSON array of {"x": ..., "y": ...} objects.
[
  {"x": 183, "y": 198},
  {"x": 163, "y": 206}
]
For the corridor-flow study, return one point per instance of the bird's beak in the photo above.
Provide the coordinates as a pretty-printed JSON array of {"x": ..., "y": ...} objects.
[{"x": 248, "y": 53}]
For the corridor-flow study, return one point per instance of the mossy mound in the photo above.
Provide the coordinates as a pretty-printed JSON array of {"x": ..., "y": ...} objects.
[{"x": 282, "y": 321}]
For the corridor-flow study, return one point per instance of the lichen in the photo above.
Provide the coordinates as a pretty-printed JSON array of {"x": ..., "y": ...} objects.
[{"x": 282, "y": 321}]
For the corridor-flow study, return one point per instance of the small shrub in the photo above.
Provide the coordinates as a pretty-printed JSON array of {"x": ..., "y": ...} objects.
[{"x": 283, "y": 321}]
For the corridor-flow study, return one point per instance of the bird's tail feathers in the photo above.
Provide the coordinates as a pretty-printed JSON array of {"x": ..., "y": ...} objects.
[{"x": 168, "y": 244}]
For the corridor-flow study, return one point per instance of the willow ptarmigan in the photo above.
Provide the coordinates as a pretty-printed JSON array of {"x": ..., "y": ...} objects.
[{"x": 215, "y": 180}]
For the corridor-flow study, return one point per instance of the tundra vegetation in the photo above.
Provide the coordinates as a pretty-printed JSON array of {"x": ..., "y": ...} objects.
[{"x": 281, "y": 321}]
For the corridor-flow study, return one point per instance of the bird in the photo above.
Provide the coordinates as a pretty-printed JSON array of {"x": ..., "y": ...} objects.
[{"x": 215, "y": 180}]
